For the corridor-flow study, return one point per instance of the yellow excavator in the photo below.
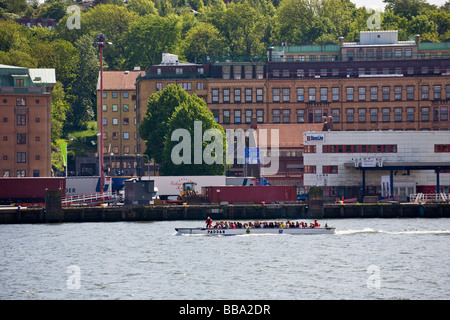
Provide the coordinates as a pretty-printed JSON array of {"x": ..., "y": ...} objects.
[{"x": 189, "y": 195}]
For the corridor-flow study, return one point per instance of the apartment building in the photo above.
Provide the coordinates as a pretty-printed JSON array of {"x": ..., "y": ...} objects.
[
  {"x": 120, "y": 149},
  {"x": 25, "y": 126}
]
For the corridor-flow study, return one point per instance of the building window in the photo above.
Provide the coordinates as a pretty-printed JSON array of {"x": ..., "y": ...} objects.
[
  {"x": 115, "y": 136},
  {"x": 323, "y": 94},
  {"x": 316, "y": 115},
  {"x": 21, "y": 157},
  {"x": 216, "y": 115},
  {"x": 309, "y": 169},
  {"x": 105, "y": 94},
  {"x": 248, "y": 95},
  {"x": 286, "y": 94},
  {"x": 237, "y": 95},
  {"x": 409, "y": 92},
  {"x": 226, "y": 72},
  {"x": 335, "y": 94},
  {"x": 300, "y": 94},
  {"x": 362, "y": 93},
  {"x": 275, "y": 95},
  {"x": 386, "y": 93},
  {"x": 386, "y": 114},
  {"x": 115, "y": 108},
  {"x": 349, "y": 93},
  {"x": 259, "y": 95},
  {"x": 159, "y": 86},
  {"x": 349, "y": 113},
  {"x": 437, "y": 92},
  {"x": 300, "y": 116},
  {"x": 286, "y": 73},
  {"x": 276, "y": 115},
  {"x": 114, "y": 95},
  {"x": 356, "y": 148},
  {"x": 21, "y": 138},
  {"x": 215, "y": 95},
  {"x": 237, "y": 116},
  {"x": 373, "y": 93},
  {"x": 6, "y": 173},
  {"x": 311, "y": 94},
  {"x": 410, "y": 114},
  {"x": 330, "y": 169},
  {"x": 373, "y": 115},
  {"x": 115, "y": 121},
  {"x": 260, "y": 116},
  {"x": 179, "y": 70},
  {"x": 248, "y": 116},
  {"x": 309, "y": 149},
  {"x": 300, "y": 73},
  {"x": 425, "y": 92},
  {"x": 126, "y": 108},
  {"x": 126, "y": 150},
  {"x": 362, "y": 115},
  {"x": 226, "y": 116},
  {"x": 199, "y": 85},
  {"x": 397, "y": 93},
  {"x": 397, "y": 114},
  {"x": 425, "y": 114},
  {"x": 21, "y": 173},
  {"x": 440, "y": 113},
  {"x": 237, "y": 72},
  {"x": 336, "y": 115},
  {"x": 259, "y": 72},
  {"x": 105, "y": 108},
  {"x": 126, "y": 121},
  {"x": 286, "y": 116},
  {"x": 442, "y": 148},
  {"x": 125, "y": 95},
  {"x": 21, "y": 120},
  {"x": 226, "y": 95},
  {"x": 21, "y": 102},
  {"x": 126, "y": 135},
  {"x": 105, "y": 121}
]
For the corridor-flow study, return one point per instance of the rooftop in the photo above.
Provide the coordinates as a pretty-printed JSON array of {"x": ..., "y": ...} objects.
[{"x": 119, "y": 80}]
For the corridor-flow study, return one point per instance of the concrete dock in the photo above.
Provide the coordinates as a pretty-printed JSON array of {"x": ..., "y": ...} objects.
[{"x": 13, "y": 215}]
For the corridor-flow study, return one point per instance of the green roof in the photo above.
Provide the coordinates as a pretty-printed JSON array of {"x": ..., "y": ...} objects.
[
  {"x": 434, "y": 46},
  {"x": 327, "y": 48}
]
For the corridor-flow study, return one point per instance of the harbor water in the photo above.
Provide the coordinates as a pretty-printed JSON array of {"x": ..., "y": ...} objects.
[{"x": 365, "y": 259}]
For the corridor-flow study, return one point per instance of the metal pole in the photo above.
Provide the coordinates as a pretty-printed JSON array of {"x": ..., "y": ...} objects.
[{"x": 100, "y": 153}]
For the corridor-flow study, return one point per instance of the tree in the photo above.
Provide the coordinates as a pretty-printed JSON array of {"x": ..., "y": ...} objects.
[
  {"x": 407, "y": 8},
  {"x": 202, "y": 144},
  {"x": 142, "y": 7},
  {"x": 160, "y": 108},
  {"x": 201, "y": 41},
  {"x": 149, "y": 37}
]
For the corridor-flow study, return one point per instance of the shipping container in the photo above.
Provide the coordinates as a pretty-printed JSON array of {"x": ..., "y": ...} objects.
[
  {"x": 249, "y": 194},
  {"x": 32, "y": 189}
]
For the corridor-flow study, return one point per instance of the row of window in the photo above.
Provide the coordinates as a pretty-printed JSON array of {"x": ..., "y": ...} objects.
[
  {"x": 21, "y": 157},
  {"x": 356, "y": 148},
  {"x": 115, "y": 135},
  {"x": 185, "y": 85},
  {"x": 115, "y": 108},
  {"x": 21, "y": 119},
  {"x": 19, "y": 173},
  {"x": 315, "y": 115},
  {"x": 360, "y": 93},
  {"x": 336, "y": 72},
  {"x": 115, "y": 95},
  {"x": 442, "y": 148},
  {"x": 115, "y": 150},
  {"x": 325, "y": 169},
  {"x": 21, "y": 138},
  {"x": 115, "y": 121}
]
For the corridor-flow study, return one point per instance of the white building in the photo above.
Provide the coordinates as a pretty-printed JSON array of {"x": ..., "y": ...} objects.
[{"x": 352, "y": 164}]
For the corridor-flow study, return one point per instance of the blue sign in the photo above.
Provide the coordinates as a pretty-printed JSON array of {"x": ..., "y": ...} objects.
[{"x": 252, "y": 156}]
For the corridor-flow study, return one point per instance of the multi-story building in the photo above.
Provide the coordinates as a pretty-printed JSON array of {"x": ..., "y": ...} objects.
[
  {"x": 25, "y": 130},
  {"x": 378, "y": 83},
  {"x": 383, "y": 163},
  {"x": 120, "y": 149}
]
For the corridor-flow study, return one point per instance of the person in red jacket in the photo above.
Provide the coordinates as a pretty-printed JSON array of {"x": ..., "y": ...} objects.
[
  {"x": 209, "y": 222},
  {"x": 316, "y": 224}
]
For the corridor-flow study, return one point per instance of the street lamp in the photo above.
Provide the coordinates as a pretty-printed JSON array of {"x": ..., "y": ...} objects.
[
  {"x": 148, "y": 163},
  {"x": 101, "y": 42}
]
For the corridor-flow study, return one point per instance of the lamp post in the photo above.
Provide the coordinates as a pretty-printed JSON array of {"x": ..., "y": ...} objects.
[
  {"x": 148, "y": 163},
  {"x": 101, "y": 42}
]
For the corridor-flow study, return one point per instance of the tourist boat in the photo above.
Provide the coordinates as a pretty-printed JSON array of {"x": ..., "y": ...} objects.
[{"x": 243, "y": 231}]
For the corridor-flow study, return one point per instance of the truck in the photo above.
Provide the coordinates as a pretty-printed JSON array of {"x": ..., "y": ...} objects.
[
  {"x": 29, "y": 190},
  {"x": 249, "y": 194},
  {"x": 80, "y": 185}
]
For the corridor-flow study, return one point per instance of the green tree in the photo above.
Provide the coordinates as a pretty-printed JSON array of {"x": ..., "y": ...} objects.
[
  {"x": 149, "y": 37},
  {"x": 142, "y": 7},
  {"x": 59, "y": 110},
  {"x": 195, "y": 118},
  {"x": 201, "y": 41},
  {"x": 154, "y": 126}
]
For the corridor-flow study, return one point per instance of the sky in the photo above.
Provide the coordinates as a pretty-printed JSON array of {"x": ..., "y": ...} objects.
[{"x": 379, "y": 4}]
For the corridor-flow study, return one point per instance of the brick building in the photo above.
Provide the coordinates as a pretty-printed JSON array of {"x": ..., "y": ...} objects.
[
  {"x": 379, "y": 83},
  {"x": 25, "y": 126}
]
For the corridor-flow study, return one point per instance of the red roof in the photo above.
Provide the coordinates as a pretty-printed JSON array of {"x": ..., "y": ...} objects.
[{"x": 119, "y": 80}]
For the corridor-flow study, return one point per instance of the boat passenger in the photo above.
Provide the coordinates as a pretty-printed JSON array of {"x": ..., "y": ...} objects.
[
  {"x": 316, "y": 224},
  {"x": 209, "y": 222}
]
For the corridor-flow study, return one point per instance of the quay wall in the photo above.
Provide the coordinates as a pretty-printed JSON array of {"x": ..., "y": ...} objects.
[{"x": 217, "y": 212}]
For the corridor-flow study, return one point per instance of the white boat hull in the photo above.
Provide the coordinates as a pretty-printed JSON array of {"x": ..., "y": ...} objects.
[{"x": 243, "y": 231}]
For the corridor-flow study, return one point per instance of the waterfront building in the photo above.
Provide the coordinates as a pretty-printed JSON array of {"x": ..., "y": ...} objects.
[
  {"x": 378, "y": 83},
  {"x": 25, "y": 121},
  {"x": 383, "y": 163},
  {"x": 120, "y": 134}
]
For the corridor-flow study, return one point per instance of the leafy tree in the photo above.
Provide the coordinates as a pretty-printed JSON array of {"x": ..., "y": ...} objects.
[
  {"x": 59, "y": 110},
  {"x": 154, "y": 126},
  {"x": 407, "y": 8},
  {"x": 149, "y": 37},
  {"x": 142, "y": 7},
  {"x": 13, "y": 36},
  {"x": 201, "y": 41},
  {"x": 211, "y": 152}
]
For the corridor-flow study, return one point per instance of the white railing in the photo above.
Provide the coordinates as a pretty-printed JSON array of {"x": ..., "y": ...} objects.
[
  {"x": 429, "y": 197},
  {"x": 91, "y": 198}
]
